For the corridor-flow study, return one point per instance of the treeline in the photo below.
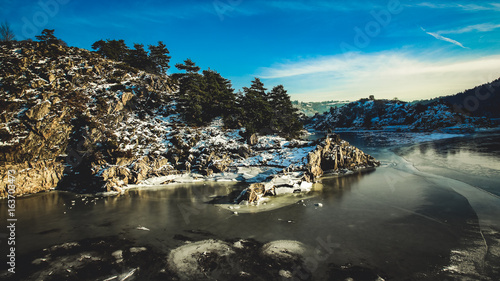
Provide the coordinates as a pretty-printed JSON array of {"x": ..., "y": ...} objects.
[
  {"x": 155, "y": 61},
  {"x": 206, "y": 95}
]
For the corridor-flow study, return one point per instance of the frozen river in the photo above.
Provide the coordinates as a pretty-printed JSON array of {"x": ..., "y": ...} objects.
[{"x": 430, "y": 212}]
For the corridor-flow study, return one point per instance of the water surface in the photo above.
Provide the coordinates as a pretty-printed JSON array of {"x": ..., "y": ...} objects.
[{"x": 422, "y": 216}]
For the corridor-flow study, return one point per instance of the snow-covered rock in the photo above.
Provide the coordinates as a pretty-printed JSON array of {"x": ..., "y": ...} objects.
[{"x": 396, "y": 115}]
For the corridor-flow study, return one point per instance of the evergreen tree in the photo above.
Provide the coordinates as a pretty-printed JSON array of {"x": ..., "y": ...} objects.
[
  {"x": 160, "y": 58},
  {"x": 48, "y": 37},
  {"x": 286, "y": 119},
  {"x": 112, "y": 49},
  {"x": 258, "y": 87},
  {"x": 138, "y": 58},
  {"x": 256, "y": 108},
  {"x": 191, "y": 93},
  {"x": 220, "y": 99},
  {"x": 99, "y": 47},
  {"x": 189, "y": 66},
  {"x": 156, "y": 61}
]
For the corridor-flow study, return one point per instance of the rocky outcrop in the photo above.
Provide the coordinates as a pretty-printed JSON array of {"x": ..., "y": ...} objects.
[
  {"x": 333, "y": 155},
  {"x": 253, "y": 193},
  {"x": 60, "y": 111},
  {"x": 31, "y": 177},
  {"x": 115, "y": 177},
  {"x": 328, "y": 155}
]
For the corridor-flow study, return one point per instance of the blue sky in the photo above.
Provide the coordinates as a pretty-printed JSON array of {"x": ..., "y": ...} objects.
[{"x": 319, "y": 50}]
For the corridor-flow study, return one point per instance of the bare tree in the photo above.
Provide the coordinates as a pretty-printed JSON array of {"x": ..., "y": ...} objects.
[{"x": 6, "y": 33}]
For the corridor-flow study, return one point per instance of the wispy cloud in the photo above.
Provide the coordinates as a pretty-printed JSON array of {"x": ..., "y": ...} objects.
[
  {"x": 387, "y": 75},
  {"x": 484, "y": 27},
  {"x": 465, "y": 7},
  {"x": 301, "y": 5},
  {"x": 446, "y": 39}
]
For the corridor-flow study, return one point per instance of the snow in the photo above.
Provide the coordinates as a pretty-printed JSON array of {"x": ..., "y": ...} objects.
[
  {"x": 394, "y": 114},
  {"x": 185, "y": 259},
  {"x": 284, "y": 158},
  {"x": 284, "y": 249}
]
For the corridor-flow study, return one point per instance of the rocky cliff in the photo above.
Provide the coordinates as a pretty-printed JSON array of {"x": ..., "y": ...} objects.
[{"x": 73, "y": 120}]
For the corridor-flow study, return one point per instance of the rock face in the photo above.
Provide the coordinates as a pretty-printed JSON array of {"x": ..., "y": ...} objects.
[
  {"x": 72, "y": 120},
  {"x": 333, "y": 154},
  {"x": 32, "y": 177},
  {"x": 61, "y": 109}
]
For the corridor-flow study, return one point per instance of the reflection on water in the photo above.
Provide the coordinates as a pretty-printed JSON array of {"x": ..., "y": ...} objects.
[{"x": 474, "y": 159}]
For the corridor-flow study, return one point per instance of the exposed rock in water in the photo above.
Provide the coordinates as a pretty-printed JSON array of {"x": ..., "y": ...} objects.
[
  {"x": 117, "y": 258},
  {"x": 254, "y": 192},
  {"x": 333, "y": 154},
  {"x": 330, "y": 155}
]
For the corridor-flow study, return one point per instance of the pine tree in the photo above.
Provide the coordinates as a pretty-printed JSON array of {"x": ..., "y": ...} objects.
[
  {"x": 191, "y": 94},
  {"x": 99, "y": 47},
  {"x": 258, "y": 87},
  {"x": 138, "y": 58},
  {"x": 160, "y": 58},
  {"x": 256, "y": 107},
  {"x": 112, "y": 49},
  {"x": 189, "y": 66},
  {"x": 47, "y": 37},
  {"x": 220, "y": 98},
  {"x": 285, "y": 119}
]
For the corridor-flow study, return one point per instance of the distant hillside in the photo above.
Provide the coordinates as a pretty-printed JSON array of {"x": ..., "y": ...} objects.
[
  {"x": 312, "y": 108},
  {"x": 480, "y": 101},
  {"x": 398, "y": 115}
]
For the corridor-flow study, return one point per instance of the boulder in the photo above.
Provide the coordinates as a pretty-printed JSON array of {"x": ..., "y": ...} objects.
[
  {"x": 334, "y": 154},
  {"x": 220, "y": 165},
  {"x": 253, "y": 139},
  {"x": 38, "y": 111},
  {"x": 255, "y": 192}
]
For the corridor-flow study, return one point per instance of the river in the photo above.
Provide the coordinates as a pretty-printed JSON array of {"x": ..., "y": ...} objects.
[{"x": 430, "y": 212}]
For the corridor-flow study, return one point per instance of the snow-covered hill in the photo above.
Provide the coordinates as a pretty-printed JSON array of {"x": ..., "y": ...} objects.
[
  {"x": 312, "y": 108},
  {"x": 73, "y": 120},
  {"x": 397, "y": 115}
]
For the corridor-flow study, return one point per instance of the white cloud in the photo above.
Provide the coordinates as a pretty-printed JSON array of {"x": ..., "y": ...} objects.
[
  {"x": 299, "y": 5},
  {"x": 484, "y": 27},
  {"x": 446, "y": 39},
  {"x": 466, "y": 7},
  {"x": 386, "y": 75}
]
